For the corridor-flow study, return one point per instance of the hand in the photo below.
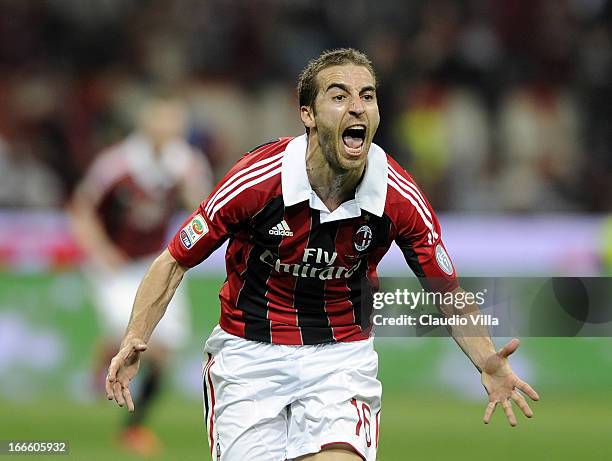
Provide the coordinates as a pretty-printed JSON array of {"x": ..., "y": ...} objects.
[
  {"x": 123, "y": 368},
  {"x": 503, "y": 385}
]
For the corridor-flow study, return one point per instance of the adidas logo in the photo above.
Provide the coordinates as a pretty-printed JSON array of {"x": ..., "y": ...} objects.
[{"x": 281, "y": 229}]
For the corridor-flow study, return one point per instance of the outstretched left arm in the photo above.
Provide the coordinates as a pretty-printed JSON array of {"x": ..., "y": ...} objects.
[
  {"x": 497, "y": 376},
  {"x": 419, "y": 235}
]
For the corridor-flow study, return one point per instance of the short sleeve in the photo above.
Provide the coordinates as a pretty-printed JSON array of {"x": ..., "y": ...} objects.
[{"x": 419, "y": 235}]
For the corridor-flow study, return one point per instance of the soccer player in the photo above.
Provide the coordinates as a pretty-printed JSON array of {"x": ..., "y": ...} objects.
[
  {"x": 120, "y": 214},
  {"x": 290, "y": 372}
]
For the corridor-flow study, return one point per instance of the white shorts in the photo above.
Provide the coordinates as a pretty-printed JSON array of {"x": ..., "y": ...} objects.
[
  {"x": 113, "y": 296},
  {"x": 269, "y": 402}
]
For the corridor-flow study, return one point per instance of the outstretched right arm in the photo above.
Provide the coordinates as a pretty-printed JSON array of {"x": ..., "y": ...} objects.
[{"x": 153, "y": 296}]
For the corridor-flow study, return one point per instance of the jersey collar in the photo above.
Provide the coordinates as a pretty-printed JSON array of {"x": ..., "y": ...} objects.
[{"x": 370, "y": 196}]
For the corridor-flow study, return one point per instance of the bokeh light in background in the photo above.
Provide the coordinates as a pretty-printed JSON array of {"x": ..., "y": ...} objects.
[{"x": 501, "y": 110}]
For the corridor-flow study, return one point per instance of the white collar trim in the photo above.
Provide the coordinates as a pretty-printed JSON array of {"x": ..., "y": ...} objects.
[{"x": 370, "y": 196}]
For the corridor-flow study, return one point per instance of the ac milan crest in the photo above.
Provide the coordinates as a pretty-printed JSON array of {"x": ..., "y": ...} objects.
[{"x": 362, "y": 238}]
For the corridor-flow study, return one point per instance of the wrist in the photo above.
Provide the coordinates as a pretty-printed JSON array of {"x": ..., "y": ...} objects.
[{"x": 131, "y": 339}]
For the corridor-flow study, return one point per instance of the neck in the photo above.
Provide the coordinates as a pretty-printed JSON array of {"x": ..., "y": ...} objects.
[{"x": 333, "y": 185}]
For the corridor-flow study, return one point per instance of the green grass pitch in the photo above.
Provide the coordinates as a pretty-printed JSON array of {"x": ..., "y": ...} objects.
[{"x": 426, "y": 428}]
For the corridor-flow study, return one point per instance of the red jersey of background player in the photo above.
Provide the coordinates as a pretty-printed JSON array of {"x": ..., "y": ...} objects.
[
  {"x": 296, "y": 273},
  {"x": 136, "y": 192}
]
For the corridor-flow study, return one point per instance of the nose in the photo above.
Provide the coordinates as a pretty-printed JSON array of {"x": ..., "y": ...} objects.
[{"x": 356, "y": 108}]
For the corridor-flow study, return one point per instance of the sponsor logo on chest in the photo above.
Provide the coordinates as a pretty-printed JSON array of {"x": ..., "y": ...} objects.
[{"x": 316, "y": 263}]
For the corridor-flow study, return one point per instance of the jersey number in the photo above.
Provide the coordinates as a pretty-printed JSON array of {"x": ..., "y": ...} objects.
[{"x": 364, "y": 414}]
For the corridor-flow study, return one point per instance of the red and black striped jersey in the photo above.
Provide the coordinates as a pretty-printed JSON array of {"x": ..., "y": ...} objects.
[{"x": 297, "y": 273}]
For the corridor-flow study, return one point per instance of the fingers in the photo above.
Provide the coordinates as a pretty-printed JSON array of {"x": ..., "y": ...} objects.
[
  {"x": 118, "y": 393},
  {"x": 522, "y": 404},
  {"x": 527, "y": 389},
  {"x": 111, "y": 379},
  {"x": 112, "y": 370},
  {"x": 109, "y": 388},
  {"x": 122, "y": 395},
  {"x": 127, "y": 396},
  {"x": 489, "y": 412},
  {"x": 509, "y": 348},
  {"x": 117, "y": 389},
  {"x": 115, "y": 364},
  {"x": 507, "y": 406}
]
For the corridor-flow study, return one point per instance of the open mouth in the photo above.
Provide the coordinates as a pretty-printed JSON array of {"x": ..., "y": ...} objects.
[{"x": 353, "y": 138}]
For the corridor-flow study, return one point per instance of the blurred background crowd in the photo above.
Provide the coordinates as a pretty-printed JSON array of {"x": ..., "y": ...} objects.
[{"x": 492, "y": 105}]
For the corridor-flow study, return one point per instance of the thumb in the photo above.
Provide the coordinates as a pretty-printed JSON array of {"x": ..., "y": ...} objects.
[{"x": 509, "y": 348}]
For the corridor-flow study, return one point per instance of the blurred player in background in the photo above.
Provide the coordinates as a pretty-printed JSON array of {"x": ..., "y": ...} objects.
[
  {"x": 120, "y": 213},
  {"x": 291, "y": 371}
]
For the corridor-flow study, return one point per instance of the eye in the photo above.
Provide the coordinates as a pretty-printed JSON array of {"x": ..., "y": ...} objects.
[
  {"x": 368, "y": 97},
  {"x": 339, "y": 97}
]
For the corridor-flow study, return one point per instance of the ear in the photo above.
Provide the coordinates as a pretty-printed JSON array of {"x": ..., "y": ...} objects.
[{"x": 307, "y": 116}]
